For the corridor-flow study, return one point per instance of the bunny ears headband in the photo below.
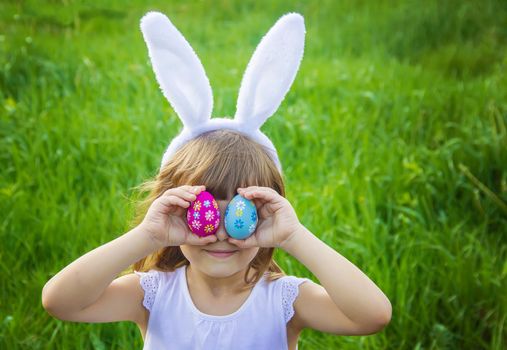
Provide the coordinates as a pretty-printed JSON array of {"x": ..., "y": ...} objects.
[{"x": 184, "y": 83}]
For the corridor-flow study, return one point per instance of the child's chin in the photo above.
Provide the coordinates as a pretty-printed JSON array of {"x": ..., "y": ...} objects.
[{"x": 221, "y": 270}]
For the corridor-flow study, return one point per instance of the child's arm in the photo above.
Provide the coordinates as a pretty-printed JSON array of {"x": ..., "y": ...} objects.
[
  {"x": 84, "y": 291},
  {"x": 347, "y": 303},
  {"x": 80, "y": 284}
]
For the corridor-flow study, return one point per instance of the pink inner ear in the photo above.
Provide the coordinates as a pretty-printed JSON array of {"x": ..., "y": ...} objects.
[{"x": 203, "y": 215}]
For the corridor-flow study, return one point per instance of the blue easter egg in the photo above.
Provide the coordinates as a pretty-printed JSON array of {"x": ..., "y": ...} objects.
[{"x": 240, "y": 217}]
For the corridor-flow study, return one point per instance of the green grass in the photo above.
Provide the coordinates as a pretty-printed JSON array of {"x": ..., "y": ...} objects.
[{"x": 393, "y": 140}]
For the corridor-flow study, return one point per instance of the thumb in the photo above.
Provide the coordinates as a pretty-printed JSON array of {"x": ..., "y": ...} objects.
[
  {"x": 244, "y": 243},
  {"x": 170, "y": 204}
]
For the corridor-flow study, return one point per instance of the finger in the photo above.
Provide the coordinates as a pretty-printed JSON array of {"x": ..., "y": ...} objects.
[
  {"x": 194, "y": 191},
  {"x": 192, "y": 188},
  {"x": 194, "y": 239},
  {"x": 244, "y": 243},
  {"x": 248, "y": 188},
  {"x": 256, "y": 188},
  {"x": 187, "y": 188},
  {"x": 268, "y": 201},
  {"x": 198, "y": 189},
  {"x": 258, "y": 202},
  {"x": 182, "y": 193},
  {"x": 261, "y": 193},
  {"x": 172, "y": 200}
]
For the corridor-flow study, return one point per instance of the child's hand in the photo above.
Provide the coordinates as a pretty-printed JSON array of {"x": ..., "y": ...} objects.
[
  {"x": 277, "y": 219},
  {"x": 166, "y": 222}
]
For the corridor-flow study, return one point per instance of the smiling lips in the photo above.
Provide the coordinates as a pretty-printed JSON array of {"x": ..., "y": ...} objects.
[{"x": 221, "y": 253}]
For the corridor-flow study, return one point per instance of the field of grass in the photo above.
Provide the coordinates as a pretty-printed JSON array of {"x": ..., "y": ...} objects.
[{"x": 393, "y": 140}]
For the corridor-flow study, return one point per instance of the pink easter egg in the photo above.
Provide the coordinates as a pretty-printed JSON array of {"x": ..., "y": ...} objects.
[{"x": 203, "y": 215}]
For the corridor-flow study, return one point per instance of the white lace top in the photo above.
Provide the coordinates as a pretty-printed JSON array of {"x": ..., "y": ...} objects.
[{"x": 176, "y": 323}]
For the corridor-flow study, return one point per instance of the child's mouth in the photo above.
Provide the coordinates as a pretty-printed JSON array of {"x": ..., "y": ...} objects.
[{"x": 221, "y": 254}]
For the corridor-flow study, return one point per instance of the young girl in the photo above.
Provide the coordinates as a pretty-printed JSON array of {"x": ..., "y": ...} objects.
[{"x": 216, "y": 292}]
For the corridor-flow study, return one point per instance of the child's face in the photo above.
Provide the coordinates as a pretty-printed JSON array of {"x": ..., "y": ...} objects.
[{"x": 214, "y": 266}]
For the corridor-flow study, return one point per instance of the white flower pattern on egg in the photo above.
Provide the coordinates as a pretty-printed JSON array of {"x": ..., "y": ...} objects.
[
  {"x": 196, "y": 224},
  {"x": 209, "y": 215},
  {"x": 240, "y": 205}
]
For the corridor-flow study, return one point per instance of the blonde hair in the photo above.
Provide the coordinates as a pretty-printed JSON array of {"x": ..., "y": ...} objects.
[{"x": 222, "y": 160}]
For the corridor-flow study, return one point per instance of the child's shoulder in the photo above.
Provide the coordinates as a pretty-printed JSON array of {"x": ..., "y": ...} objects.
[
  {"x": 284, "y": 280},
  {"x": 152, "y": 279},
  {"x": 284, "y": 291},
  {"x": 157, "y": 275},
  {"x": 287, "y": 286},
  {"x": 157, "y": 272}
]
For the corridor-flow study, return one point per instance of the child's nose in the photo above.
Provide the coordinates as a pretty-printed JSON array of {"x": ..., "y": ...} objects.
[{"x": 221, "y": 233}]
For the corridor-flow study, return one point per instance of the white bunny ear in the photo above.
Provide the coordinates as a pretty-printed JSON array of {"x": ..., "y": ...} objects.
[
  {"x": 271, "y": 71},
  {"x": 178, "y": 70}
]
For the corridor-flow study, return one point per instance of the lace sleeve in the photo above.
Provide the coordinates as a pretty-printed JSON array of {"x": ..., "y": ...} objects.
[
  {"x": 149, "y": 282},
  {"x": 290, "y": 291}
]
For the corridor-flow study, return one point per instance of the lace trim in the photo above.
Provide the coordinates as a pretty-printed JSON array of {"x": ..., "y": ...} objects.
[
  {"x": 290, "y": 291},
  {"x": 149, "y": 282}
]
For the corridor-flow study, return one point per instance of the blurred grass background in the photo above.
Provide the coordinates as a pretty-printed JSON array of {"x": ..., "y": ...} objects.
[{"x": 393, "y": 141}]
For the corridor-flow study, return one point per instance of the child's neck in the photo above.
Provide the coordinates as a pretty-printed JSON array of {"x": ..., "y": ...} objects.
[{"x": 216, "y": 286}]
